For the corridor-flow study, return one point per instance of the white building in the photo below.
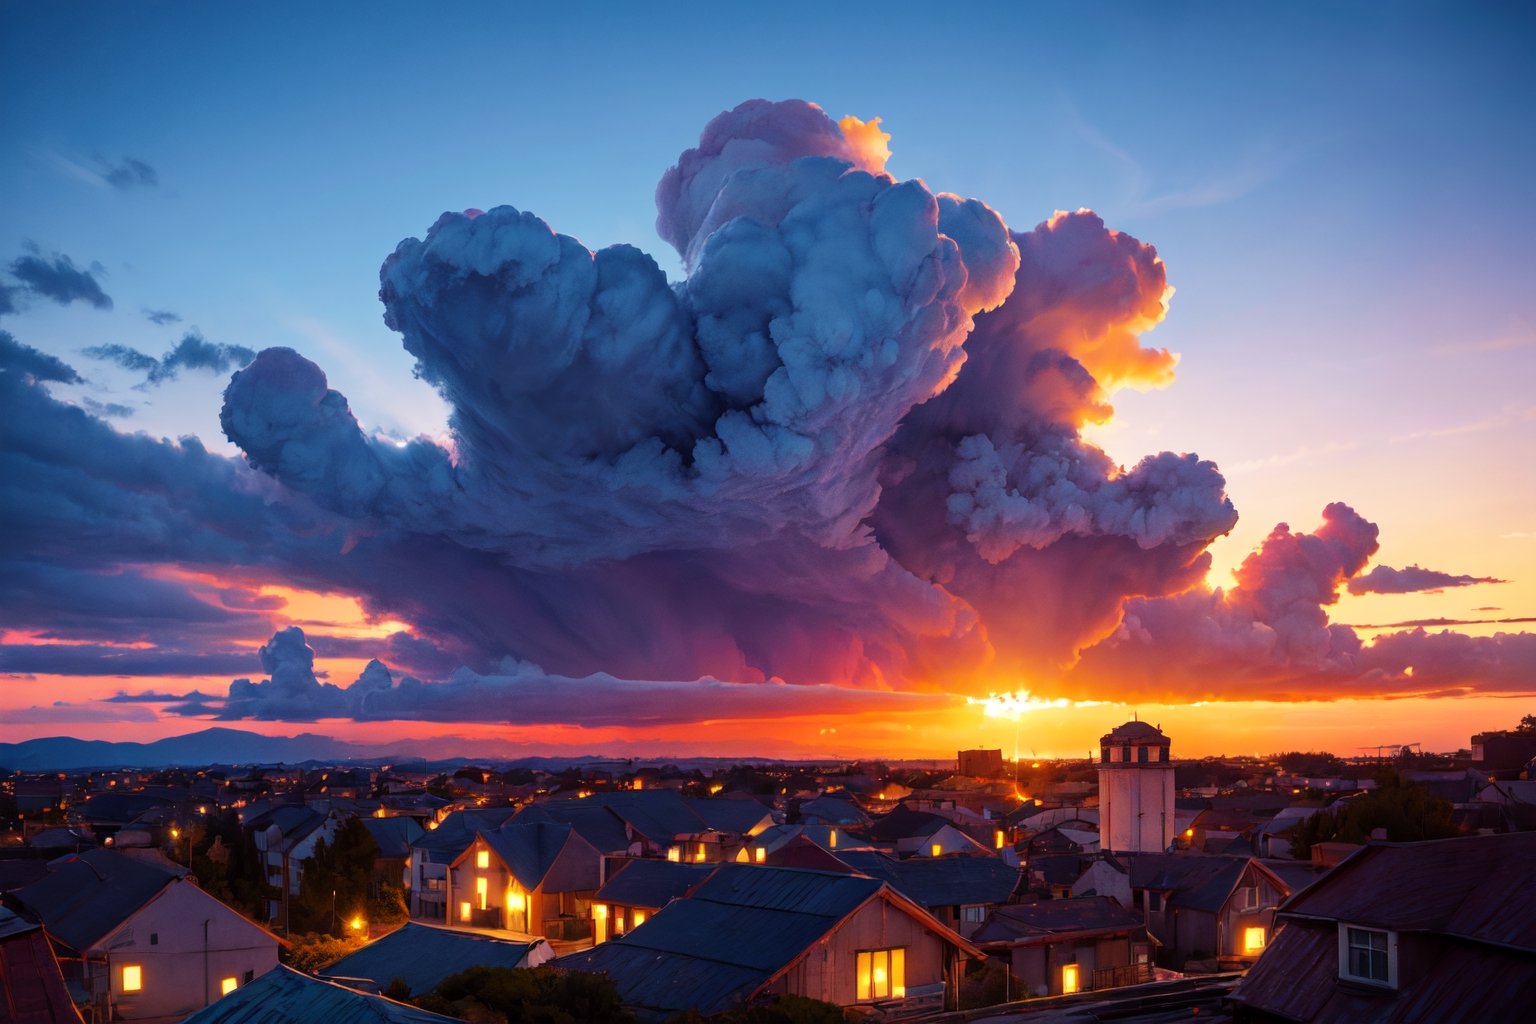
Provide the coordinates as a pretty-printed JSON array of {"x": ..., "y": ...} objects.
[{"x": 1136, "y": 811}]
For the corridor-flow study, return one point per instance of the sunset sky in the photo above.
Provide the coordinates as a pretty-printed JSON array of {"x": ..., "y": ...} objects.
[{"x": 974, "y": 427}]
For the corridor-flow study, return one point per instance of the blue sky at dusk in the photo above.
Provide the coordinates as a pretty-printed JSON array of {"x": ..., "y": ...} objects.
[{"x": 1340, "y": 194}]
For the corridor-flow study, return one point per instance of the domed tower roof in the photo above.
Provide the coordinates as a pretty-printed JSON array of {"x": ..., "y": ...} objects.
[{"x": 1140, "y": 733}]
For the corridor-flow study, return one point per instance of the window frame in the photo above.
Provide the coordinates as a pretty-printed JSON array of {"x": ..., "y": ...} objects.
[
  {"x": 1348, "y": 934},
  {"x": 123, "y": 976},
  {"x": 866, "y": 961}
]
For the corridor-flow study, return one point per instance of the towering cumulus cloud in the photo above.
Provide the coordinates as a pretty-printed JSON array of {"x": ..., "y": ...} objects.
[{"x": 844, "y": 448}]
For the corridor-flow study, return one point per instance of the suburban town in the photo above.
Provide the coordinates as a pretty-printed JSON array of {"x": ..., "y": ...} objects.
[{"x": 1394, "y": 885}]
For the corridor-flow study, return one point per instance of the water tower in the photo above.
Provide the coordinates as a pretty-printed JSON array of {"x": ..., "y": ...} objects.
[{"x": 1135, "y": 790}]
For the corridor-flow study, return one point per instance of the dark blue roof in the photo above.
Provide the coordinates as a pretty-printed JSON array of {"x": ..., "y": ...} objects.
[
  {"x": 592, "y": 819},
  {"x": 457, "y": 831},
  {"x": 422, "y": 956},
  {"x": 393, "y": 835},
  {"x": 740, "y": 927},
  {"x": 284, "y": 996},
  {"x": 651, "y": 883},
  {"x": 939, "y": 881},
  {"x": 86, "y": 896},
  {"x": 529, "y": 850},
  {"x": 1051, "y": 917}
]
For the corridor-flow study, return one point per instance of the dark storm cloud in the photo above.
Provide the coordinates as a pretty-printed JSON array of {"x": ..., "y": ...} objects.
[
  {"x": 19, "y": 358},
  {"x": 75, "y": 659},
  {"x": 1383, "y": 579},
  {"x": 113, "y": 410},
  {"x": 192, "y": 352},
  {"x": 58, "y": 278}
]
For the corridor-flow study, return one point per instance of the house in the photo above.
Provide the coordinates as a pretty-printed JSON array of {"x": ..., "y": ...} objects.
[
  {"x": 536, "y": 878},
  {"x": 958, "y": 891},
  {"x": 141, "y": 942},
  {"x": 286, "y": 836},
  {"x": 656, "y": 823},
  {"x": 285, "y": 996},
  {"x": 31, "y": 986},
  {"x": 749, "y": 932},
  {"x": 922, "y": 834},
  {"x": 1080, "y": 944},
  {"x": 393, "y": 836},
  {"x": 1433, "y": 931},
  {"x": 638, "y": 889},
  {"x": 432, "y": 852},
  {"x": 421, "y": 956},
  {"x": 1206, "y": 907}
]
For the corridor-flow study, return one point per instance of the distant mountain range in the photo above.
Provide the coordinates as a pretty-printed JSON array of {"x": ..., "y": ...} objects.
[{"x": 221, "y": 746}]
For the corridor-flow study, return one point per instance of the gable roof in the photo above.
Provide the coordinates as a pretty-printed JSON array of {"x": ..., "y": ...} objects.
[
  {"x": 529, "y": 850},
  {"x": 728, "y": 814},
  {"x": 85, "y": 896},
  {"x": 1192, "y": 881},
  {"x": 422, "y": 956},
  {"x": 593, "y": 820},
  {"x": 940, "y": 881},
  {"x": 1475, "y": 887},
  {"x": 677, "y": 961},
  {"x": 284, "y": 996},
  {"x": 904, "y": 823},
  {"x": 457, "y": 831},
  {"x": 1055, "y": 917},
  {"x": 652, "y": 883},
  {"x": 393, "y": 835}
]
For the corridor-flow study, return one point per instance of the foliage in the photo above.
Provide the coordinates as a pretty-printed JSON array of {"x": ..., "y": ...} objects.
[
  {"x": 520, "y": 995},
  {"x": 784, "y": 1009},
  {"x": 1407, "y": 811},
  {"x": 310, "y": 952},
  {"x": 1316, "y": 763},
  {"x": 1527, "y": 724},
  {"x": 986, "y": 985},
  {"x": 387, "y": 906},
  {"x": 334, "y": 885},
  {"x": 227, "y": 865}
]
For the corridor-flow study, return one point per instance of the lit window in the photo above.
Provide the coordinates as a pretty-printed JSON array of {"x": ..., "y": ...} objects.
[
  {"x": 760, "y": 855},
  {"x": 1253, "y": 940},
  {"x": 228, "y": 985},
  {"x": 881, "y": 974},
  {"x": 936, "y": 849},
  {"x": 1071, "y": 979},
  {"x": 832, "y": 839},
  {"x": 1368, "y": 954},
  {"x": 1002, "y": 838},
  {"x": 464, "y": 910},
  {"x": 674, "y": 853},
  {"x": 482, "y": 859},
  {"x": 133, "y": 977},
  {"x": 699, "y": 856},
  {"x": 482, "y": 891},
  {"x": 639, "y": 918}
]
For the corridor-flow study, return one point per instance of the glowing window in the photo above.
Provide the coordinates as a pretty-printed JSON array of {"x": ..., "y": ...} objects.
[
  {"x": 760, "y": 855},
  {"x": 1253, "y": 940},
  {"x": 464, "y": 910},
  {"x": 228, "y": 985},
  {"x": 133, "y": 977},
  {"x": 674, "y": 853},
  {"x": 482, "y": 859},
  {"x": 699, "y": 856},
  {"x": 639, "y": 918},
  {"x": 832, "y": 839},
  {"x": 881, "y": 974},
  {"x": 482, "y": 891},
  {"x": 1002, "y": 838},
  {"x": 937, "y": 849},
  {"x": 1071, "y": 979}
]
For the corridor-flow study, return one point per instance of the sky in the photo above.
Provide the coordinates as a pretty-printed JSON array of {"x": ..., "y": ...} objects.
[{"x": 610, "y": 376}]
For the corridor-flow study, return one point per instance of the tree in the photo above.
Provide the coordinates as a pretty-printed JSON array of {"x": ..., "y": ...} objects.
[
  {"x": 1527, "y": 724},
  {"x": 1406, "y": 810},
  {"x": 334, "y": 886}
]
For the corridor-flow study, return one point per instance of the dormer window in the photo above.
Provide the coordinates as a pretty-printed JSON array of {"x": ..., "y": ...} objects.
[{"x": 1367, "y": 955}]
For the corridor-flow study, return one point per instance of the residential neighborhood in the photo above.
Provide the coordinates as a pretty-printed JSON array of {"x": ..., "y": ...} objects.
[{"x": 1295, "y": 888}]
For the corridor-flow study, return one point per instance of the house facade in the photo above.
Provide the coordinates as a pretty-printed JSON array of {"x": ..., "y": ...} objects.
[{"x": 533, "y": 879}]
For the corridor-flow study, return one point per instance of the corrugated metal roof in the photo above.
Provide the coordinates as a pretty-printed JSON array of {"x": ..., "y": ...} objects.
[
  {"x": 422, "y": 956},
  {"x": 666, "y": 982},
  {"x": 1477, "y": 887},
  {"x": 652, "y": 883},
  {"x": 807, "y": 892},
  {"x": 729, "y": 814},
  {"x": 284, "y": 996},
  {"x": 1193, "y": 881},
  {"x": 31, "y": 986},
  {"x": 86, "y": 896}
]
